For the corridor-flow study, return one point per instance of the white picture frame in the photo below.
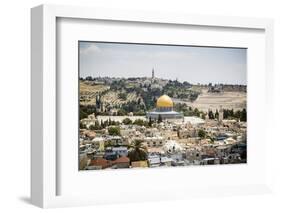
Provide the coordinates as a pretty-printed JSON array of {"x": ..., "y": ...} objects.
[{"x": 44, "y": 153}]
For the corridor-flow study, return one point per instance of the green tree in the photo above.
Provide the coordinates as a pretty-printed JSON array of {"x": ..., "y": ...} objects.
[
  {"x": 122, "y": 96},
  {"x": 82, "y": 114},
  {"x": 150, "y": 122},
  {"x": 237, "y": 114},
  {"x": 178, "y": 133},
  {"x": 201, "y": 133},
  {"x": 211, "y": 114},
  {"x": 139, "y": 122},
  {"x": 217, "y": 114},
  {"x": 203, "y": 116},
  {"x": 243, "y": 116},
  {"x": 114, "y": 130},
  {"x": 106, "y": 123},
  {"x": 82, "y": 126},
  {"x": 97, "y": 125},
  {"x": 225, "y": 113},
  {"x": 140, "y": 112},
  {"x": 137, "y": 151},
  {"x": 92, "y": 127},
  {"x": 121, "y": 112},
  {"x": 159, "y": 119},
  {"x": 231, "y": 113},
  {"x": 196, "y": 112},
  {"x": 127, "y": 121}
]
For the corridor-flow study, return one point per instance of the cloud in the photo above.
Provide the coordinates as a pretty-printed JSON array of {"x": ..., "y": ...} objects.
[
  {"x": 193, "y": 64},
  {"x": 90, "y": 49}
]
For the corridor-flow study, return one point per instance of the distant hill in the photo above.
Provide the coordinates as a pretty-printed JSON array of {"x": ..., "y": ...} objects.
[{"x": 139, "y": 95}]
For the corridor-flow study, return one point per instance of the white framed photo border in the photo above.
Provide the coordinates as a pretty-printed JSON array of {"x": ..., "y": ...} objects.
[{"x": 55, "y": 177}]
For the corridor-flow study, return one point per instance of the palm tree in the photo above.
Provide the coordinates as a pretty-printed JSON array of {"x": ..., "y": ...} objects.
[{"x": 137, "y": 151}]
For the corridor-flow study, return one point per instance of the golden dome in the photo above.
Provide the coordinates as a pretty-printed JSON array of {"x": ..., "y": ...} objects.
[{"x": 164, "y": 101}]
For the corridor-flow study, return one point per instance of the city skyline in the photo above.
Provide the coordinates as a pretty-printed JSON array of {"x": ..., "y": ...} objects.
[{"x": 189, "y": 63}]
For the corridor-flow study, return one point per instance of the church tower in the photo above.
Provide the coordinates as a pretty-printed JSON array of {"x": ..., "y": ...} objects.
[{"x": 152, "y": 76}]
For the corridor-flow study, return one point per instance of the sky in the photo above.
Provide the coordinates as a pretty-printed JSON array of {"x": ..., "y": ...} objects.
[{"x": 186, "y": 63}]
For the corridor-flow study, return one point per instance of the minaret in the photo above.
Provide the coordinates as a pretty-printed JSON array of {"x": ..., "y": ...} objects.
[{"x": 152, "y": 77}]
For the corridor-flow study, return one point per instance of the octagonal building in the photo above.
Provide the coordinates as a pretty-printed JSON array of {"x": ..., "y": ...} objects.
[{"x": 164, "y": 109}]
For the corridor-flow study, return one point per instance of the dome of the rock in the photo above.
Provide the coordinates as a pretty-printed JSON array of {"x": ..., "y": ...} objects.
[
  {"x": 164, "y": 110},
  {"x": 164, "y": 101}
]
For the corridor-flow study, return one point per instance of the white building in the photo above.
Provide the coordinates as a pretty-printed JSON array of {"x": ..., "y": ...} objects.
[
  {"x": 154, "y": 141},
  {"x": 172, "y": 146}
]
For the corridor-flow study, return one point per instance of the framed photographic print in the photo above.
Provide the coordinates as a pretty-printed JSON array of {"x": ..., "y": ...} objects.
[
  {"x": 149, "y": 105},
  {"x": 152, "y": 117}
]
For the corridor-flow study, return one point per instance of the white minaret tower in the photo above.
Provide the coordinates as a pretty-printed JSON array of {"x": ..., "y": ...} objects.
[{"x": 152, "y": 76}]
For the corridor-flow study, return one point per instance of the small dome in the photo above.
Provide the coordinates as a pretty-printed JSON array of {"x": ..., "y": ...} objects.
[{"x": 164, "y": 101}]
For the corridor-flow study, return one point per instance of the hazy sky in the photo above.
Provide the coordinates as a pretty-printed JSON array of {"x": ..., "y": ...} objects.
[{"x": 185, "y": 63}]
